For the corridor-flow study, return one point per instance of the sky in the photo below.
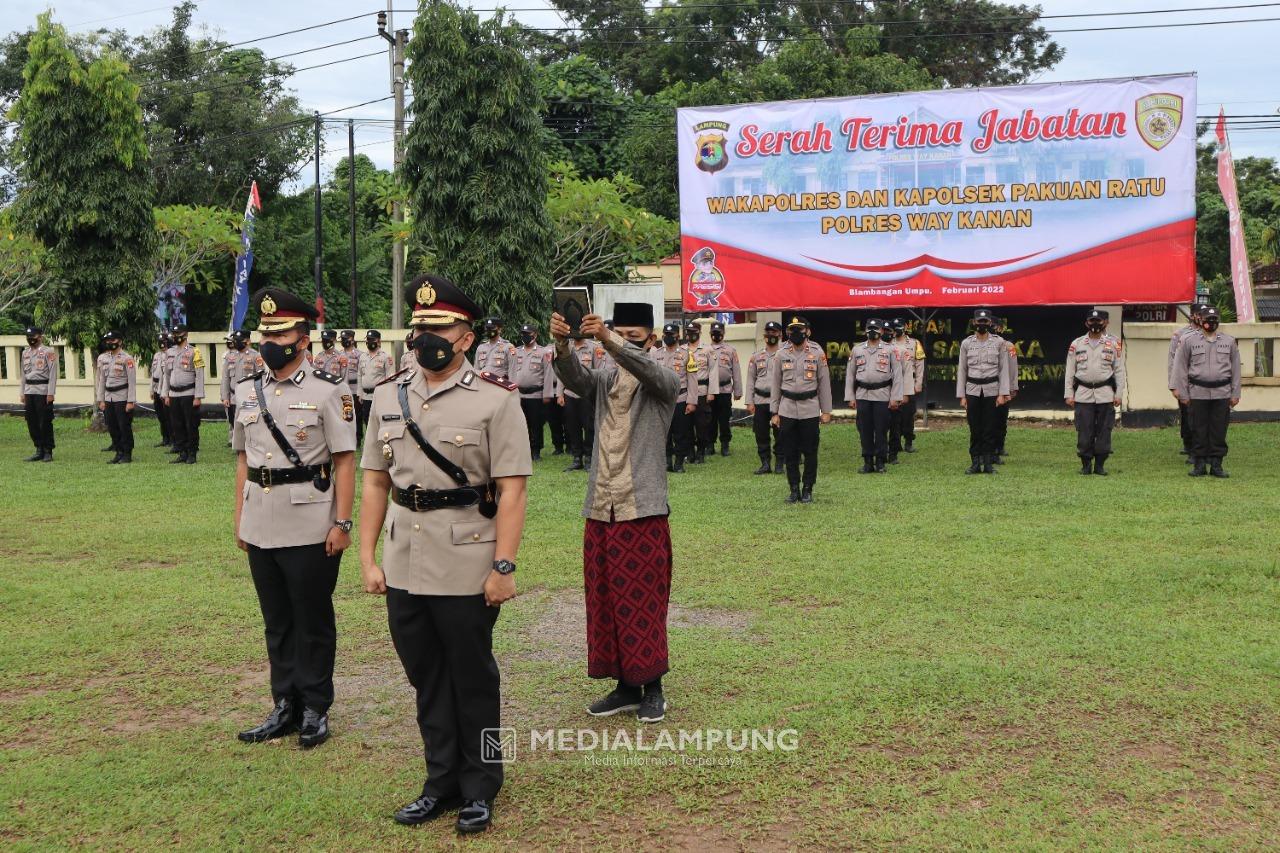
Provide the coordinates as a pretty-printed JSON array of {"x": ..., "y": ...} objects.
[{"x": 1236, "y": 64}]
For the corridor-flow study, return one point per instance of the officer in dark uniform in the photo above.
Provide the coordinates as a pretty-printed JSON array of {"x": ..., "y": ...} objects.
[{"x": 295, "y": 438}]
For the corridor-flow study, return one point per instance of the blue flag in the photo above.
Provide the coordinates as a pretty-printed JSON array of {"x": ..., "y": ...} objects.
[{"x": 244, "y": 261}]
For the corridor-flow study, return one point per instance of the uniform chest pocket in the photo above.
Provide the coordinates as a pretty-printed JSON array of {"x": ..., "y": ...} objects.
[
  {"x": 459, "y": 443},
  {"x": 1198, "y": 355},
  {"x": 988, "y": 357},
  {"x": 247, "y": 416},
  {"x": 1222, "y": 353},
  {"x": 302, "y": 427},
  {"x": 305, "y": 493},
  {"x": 860, "y": 360},
  {"x": 1082, "y": 357},
  {"x": 882, "y": 364},
  {"x": 1108, "y": 356}
]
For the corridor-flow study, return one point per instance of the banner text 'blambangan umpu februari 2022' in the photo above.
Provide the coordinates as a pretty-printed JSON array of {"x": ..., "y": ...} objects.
[{"x": 1048, "y": 194}]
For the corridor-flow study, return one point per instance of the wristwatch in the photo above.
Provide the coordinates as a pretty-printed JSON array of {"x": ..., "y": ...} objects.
[
  {"x": 504, "y": 567},
  {"x": 343, "y": 524}
]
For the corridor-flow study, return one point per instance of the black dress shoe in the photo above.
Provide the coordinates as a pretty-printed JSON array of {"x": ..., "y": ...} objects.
[
  {"x": 724, "y": 451},
  {"x": 426, "y": 809},
  {"x": 126, "y": 458},
  {"x": 47, "y": 457},
  {"x": 475, "y": 816},
  {"x": 893, "y": 458},
  {"x": 976, "y": 467},
  {"x": 1198, "y": 468},
  {"x": 1086, "y": 465},
  {"x": 678, "y": 468},
  {"x": 537, "y": 454},
  {"x": 161, "y": 444},
  {"x": 315, "y": 729},
  {"x": 559, "y": 451},
  {"x": 190, "y": 458},
  {"x": 867, "y": 466},
  {"x": 794, "y": 497},
  {"x": 908, "y": 448},
  {"x": 108, "y": 450},
  {"x": 806, "y": 496},
  {"x": 1215, "y": 469},
  {"x": 619, "y": 700},
  {"x": 114, "y": 460},
  {"x": 764, "y": 468},
  {"x": 180, "y": 459},
  {"x": 283, "y": 720},
  {"x": 35, "y": 457}
]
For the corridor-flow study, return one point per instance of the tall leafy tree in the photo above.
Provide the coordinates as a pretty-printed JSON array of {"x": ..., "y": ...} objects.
[
  {"x": 474, "y": 164},
  {"x": 86, "y": 189}
]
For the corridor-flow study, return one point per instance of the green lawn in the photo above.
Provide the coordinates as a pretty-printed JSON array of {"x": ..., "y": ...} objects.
[{"x": 1031, "y": 660}]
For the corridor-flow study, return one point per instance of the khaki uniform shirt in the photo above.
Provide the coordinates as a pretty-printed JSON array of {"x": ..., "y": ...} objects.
[
  {"x": 317, "y": 417},
  {"x": 674, "y": 359},
  {"x": 236, "y": 366},
  {"x": 157, "y": 371},
  {"x": 872, "y": 364},
  {"x": 800, "y": 369},
  {"x": 480, "y": 427},
  {"x": 726, "y": 370},
  {"x": 698, "y": 371},
  {"x": 1201, "y": 360},
  {"x": 39, "y": 370},
  {"x": 757, "y": 378},
  {"x": 374, "y": 367},
  {"x": 588, "y": 353},
  {"x": 408, "y": 360},
  {"x": 913, "y": 368},
  {"x": 532, "y": 372},
  {"x": 497, "y": 356},
  {"x": 332, "y": 361},
  {"x": 353, "y": 369},
  {"x": 1094, "y": 360},
  {"x": 184, "y": 373},
  {"x": 983, "y": 360},
  {"x": 1175, "y": 342},
  {"x": 116, "y": 378},
  {"x": 1011, "y": 361}
]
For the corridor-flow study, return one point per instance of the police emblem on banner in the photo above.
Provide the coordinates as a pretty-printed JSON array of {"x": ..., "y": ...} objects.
[
  {"x": 1159, "y": 117},
  {"x": 712, "y": 153},
  {"x": 706, "y": 282}
]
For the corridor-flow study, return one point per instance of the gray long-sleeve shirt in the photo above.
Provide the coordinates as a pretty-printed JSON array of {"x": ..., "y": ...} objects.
[
  {"x": 1095, "y": 361},
  {"x": 874, "y": 364},
  {"x": 1207, "y": 368},
  {"x": 633, "y": 406},
  {"x": 986, "y": 361}
]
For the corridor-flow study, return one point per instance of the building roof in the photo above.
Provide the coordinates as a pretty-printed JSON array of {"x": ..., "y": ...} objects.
[
  {"x": 671, "y": 260},
  {"x": 1268, "y": 308},
  {"x": 1265, "y": 274}
]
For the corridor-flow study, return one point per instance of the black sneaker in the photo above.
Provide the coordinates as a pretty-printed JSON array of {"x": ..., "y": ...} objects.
[
  {"x": 653, "y": 708},
  {"x": 615, "y": 703}
]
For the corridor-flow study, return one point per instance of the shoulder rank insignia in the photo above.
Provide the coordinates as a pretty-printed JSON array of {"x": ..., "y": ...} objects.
[
  {"x": 326, "y": 376},
  {"x": 403, "y": 375},
  {"x": 494, "y": 379}
]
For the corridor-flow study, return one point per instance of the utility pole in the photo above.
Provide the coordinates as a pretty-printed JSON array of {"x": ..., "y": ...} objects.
[
  {"x": 397, "y": 43},
  {"x": 351, "y": 202},
  {"x": 319, "y": 266}
]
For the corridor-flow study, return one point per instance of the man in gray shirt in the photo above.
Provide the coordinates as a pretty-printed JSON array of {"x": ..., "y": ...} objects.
[{"x": 1206, "y": 378}]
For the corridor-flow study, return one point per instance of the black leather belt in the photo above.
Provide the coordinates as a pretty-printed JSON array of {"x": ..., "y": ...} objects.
[
  {"x": 760, "y": 393},
  {"x": 1217, "y": 383},
  {"x": 704, "y": 381},
  {"x": 1080, "y": 383},
  {"x": 366, "y": 390},
  {"x": 182, "y": 387},
  {"x": 871, "y": 386},
  {"x": 114, "y": 388},
  {"x": 799, "y": 395},
  {"x": 972, "y": 381},
  {"x": 532, "y": 389},
  {"x": 425, "y": 500},
  {"x": 277, "y": 476}
]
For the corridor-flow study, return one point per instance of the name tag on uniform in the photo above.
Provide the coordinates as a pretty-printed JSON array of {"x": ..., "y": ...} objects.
[
  {"x": 391, "y": 417},
  {"x": 306, "y": 407}
]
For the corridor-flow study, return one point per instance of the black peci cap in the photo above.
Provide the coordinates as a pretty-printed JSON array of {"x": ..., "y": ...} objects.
[
  {"x": 437, "y": 301},
  {"x": 280, "y": 310},
  {"x": 773, "y": 326},
  {"x": 633, "y": 314}
]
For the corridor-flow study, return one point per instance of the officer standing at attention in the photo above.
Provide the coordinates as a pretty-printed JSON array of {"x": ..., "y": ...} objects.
[
  {"x": 406, "y": 358},
  {"x": 183, "y": 390},
  {"x": 725, "y": 385},
  {"x": 330, "y": 359},
  {"x": 1002, "y": 412},
  {"x": 157, "y": 401},
  {"x": 757, "y": 395},
  {"x": 800, "y": 398},
  {"x": 1095, "y": 378},
  {"x": 294, "y": 439},
  {"x": 982, "y": 384},
  {"x": 579, "y": 415},
  {"x": 375, "y": 366},
  {"x": 902, "y": 424},
  {"x": 347, "y": 340},
  {"x": 240, "y": 362},
  {"x": 1184, "y": 412},
  {"x": 873, "y": 389},
  {"x": 534, "y": 377},
  {"x": 672, "y": 355},
  {"x": 698, "y": 395},
  {"x": 449, "y": 446},
  {"x": 116, "y": 384},
  {"x": 39, "y": 382},
  {"x": 1206, "y": 376},
  {"x": 495, "y": 353},
  {"x": 555, "y": 417}
]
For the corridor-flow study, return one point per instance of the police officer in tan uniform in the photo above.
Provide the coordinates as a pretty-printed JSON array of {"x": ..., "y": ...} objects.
[
  {"x": 674, "y": 356},
  {"x": 1095, "y": 377},
  {"x": 407, "y": 361},
  {"x": 982, "y": 384},
  {"x": 375, "y": 365},
  {"x": 531, "y": 372},
  {"x": 902, "y": 422},
  {"x": 115, "y": 387},
  {"x": 294, "y": 439},
  {"x": 873, "y": 389},
  {"x": 36, "y": 390},
  {"x": 157, "y": 401},
  {"x": 449, "y": 447},
  {"x": 347, "y": 340},
  {"x": 240, "y": 362},
  {"x": 495, "y": 354},
  {"x": 1002, "y": 412},
  {"x": 1184, "y": 412},
  {"x": 1206, "y": 377},
  {"x": 800, "y": 399},
  {"x": 724, "y": 385},
  {"x": 579, "y": 416},
  {"x": 698, "y": 391},
  {"x": 330, "y": 359},
  {"x": 182, "y": 387},
  {"x": 757, "y": 397}
]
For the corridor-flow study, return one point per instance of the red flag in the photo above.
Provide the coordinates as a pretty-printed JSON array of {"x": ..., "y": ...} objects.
[{"x": 1240, "y": 279}]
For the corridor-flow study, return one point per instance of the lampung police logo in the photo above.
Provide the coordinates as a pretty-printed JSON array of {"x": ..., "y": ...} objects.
[
  {"x": 706, "y": 282},
  {"x": 712, "y": 155},
  {"x": 1159, "y": 117}
]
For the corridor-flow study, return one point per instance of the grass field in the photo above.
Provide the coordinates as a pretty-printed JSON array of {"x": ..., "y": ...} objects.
[{"x": 1031, "y": 660}]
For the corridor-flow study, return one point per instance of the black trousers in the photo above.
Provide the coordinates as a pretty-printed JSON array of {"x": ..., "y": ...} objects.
[
  {"x": 1094, "y": 422},
  {"x": 1002, "y": 427},
  {"x": 445, "y": 643},
  {"x": 579, "y": 426},
  {"x": 765, "y": 432},
  {"x": 704, "y": 422},
  {"x": 555, "y": 420},
  {"x": 721, "y": 409},
  {"x": 120, "y": 426},
  {"x": 39, "y": 414},
  {"x": 535, "y": 415},
  {"x": 1209, "y": 420},
  {"x": 295, "y": 591},
  {"x": 185, "y": 423},
  {"x": 873, "y": 428},
  {"x": 230, "y": 412},
  {"x": 1184, "y": 425},
  {"x": 163, "y": 417},
  {"x": 902, "y": 425},
  {"x": 981, "y": 415},
  {"x": 799, "y": 438},
  {"x": 362, "y": 418},
  {"x": 680, "y": 433}
]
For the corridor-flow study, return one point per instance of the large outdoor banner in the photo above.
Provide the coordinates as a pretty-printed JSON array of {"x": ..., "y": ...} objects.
[{"x": 1064, "y": 193}]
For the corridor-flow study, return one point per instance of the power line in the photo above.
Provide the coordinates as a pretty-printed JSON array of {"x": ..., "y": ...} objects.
[
  {"x": 863, "y": 3},
  {"x": 262, "y": 61},
  {"x": 300, "y": 122},
  {"x": 280, "y": 74}
]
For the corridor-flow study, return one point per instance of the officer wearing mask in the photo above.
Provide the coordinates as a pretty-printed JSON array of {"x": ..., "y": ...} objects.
[
  {"x": 330, "y": 359},
  {"x": 757, "y": 397},
  {"x": 725, "y": 386},
  {"x": 347, "y": 340},
  {"x": 1184, "y": 412},
  {"x": 240, "y": 362},
  {"x": 183, "y": 391},
  {"x": 1207, "y": 378},
  {"x": 873, "y": 389},
  {"x": 982, "y": 384},
  {"x": 673, "y": 355},
  {"x": 534, "y": 377},
  {"x": 157, "y": 369},
  {"x": 39, "y": 382},
  {"x": 698, "y": 392},
  {"x": 902, "y": 422},
  {"x": 294, "y": 439},
  {"x": 800, "y": 399},
  {"x": 1095, "y": 378},
  {"x": 407, "y": 361},
  {"x": 375, "y": 366},
  {"x": 1002, "y": 412},
  {"x": 115, "y": 387},
  {"x": 495, "y": 353}
]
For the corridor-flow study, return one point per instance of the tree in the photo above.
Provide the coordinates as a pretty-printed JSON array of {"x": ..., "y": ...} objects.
[
  {"x": 188, "y": 239},
  {"x": 584, "y": 115},
  {"x": 474, "y": 164},
  {"x": 598, "y": 231},
  {"x": 85, "y": 189},
  {"x": 23, "y": 265}
]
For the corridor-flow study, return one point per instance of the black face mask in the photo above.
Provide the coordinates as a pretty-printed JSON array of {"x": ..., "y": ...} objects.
[
  {"x": 873, "y": 335},
  {"x": 1094, "y": 327},
  {"x": 277, "y": 355},
  {"x": 347, "y": 343},
  {"x": 717, "y": 337},
  {"x": 327, "y": 344},
  {"x": 796, "y": 336},
  {"x": 373, "y": 345},
  {"x": 693, "y": 340},
  {"x": 432, "y": 351},
  {"x": 113, "y": 345},
  {"x": 491, "y": 333},
  {"x": 669, "y": 338},
  {"x": 771, "y": 340},
  {"x": 527, "y": 337},
  {"x": 982, "y": 328},
  {"x": 1210, "y": 325}
]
